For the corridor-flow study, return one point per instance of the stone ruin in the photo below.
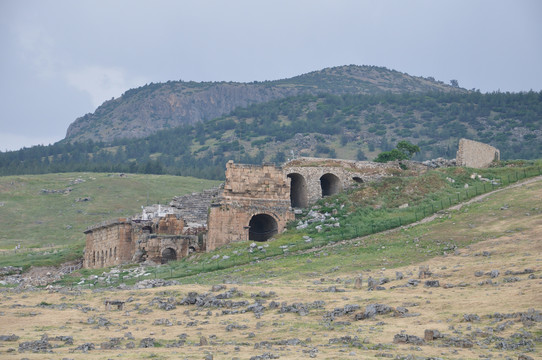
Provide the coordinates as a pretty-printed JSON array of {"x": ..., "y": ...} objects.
[
  {"x": 475, "y": 154},
  {"x": 255, "y": 203}
]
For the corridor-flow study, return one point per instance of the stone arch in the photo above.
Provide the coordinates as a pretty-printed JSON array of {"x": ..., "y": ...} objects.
[
  {"x": 168, "y": 254},
  {"x": 191, "y": 249},
  {"x": 262, "y": 227},
  {"x": 357, "y": 179},
  {"x": 298, "y": 191},
  {"x": 147, "y": 229},
  {"x": 330, "y": 184}
]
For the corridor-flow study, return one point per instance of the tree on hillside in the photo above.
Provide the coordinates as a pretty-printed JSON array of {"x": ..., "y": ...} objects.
[
  {"x": 403, "y": 151},
  {"x": 407, "y": 148}
]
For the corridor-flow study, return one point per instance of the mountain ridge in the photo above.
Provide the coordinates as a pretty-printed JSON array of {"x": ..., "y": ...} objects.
[{"x": 145, "y": 110}]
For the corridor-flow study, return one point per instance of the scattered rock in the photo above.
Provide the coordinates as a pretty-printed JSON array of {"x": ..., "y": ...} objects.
[
  {"x": 85, "y": 347},
  {"x": 372, "y": 310},
  {"x": 11, "y": 337},
  {"x": 146, "y": 343},
  {"x": 430, "y": 334},
  {"x": 41, "y": 345},
  {"x": 265, "y": 356},
  {"x": 471, "y": 317},
  {"x": 432, "y": 283},
  {"x": 408, "y": 339}
]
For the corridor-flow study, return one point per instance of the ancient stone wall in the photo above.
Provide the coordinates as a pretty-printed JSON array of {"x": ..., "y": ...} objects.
[
  {"x": 121, "y": 241},
  {"x": 108, "y": 244},
  {"x": 314, "y": 178},
  {"x": 162, "y": 248},
  {"x": 255, "y": 205},
  {"x": 475, "y": 154}
]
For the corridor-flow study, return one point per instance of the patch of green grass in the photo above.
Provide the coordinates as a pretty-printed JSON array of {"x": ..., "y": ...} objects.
[{"x": 38, "y": 219}]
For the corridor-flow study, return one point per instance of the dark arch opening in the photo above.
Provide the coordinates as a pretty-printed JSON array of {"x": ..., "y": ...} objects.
[
  {"x": 147, "y": 229},
  {"x": 357, "y": 179},
  {"x": 298, "y": 191},
  {"x": 168, "y": 254},
  {"x": 191, "y": 249},
  {"x": 330, "y": 184},
  {"x": 262, "y": 227}
]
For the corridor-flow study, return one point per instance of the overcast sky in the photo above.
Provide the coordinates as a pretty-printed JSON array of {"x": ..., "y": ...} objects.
[{"x": 61, "y": 59}]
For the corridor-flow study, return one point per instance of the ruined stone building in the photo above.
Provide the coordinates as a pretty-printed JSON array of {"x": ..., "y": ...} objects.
[
  {"x": 255, "y": 203},
  {"x": 158, "y": 238}
]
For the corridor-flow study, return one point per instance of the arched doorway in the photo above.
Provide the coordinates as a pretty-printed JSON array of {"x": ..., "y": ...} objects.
[
  {"x": 262, "y": 227},
  {"x": 168, "y": 254},
  {"x": 330, "y": 184},
  {"x": 298, "y": 191}
]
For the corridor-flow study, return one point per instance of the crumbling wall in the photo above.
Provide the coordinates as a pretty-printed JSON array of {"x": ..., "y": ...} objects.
[
  {"x": 347, "y": 173},
  {"x": 475, "y": 154},
  {"x": 249, "y": 191},
  {"x": 122, "y": 240},
  {"x": 153, "y": 246},
  {"x": 108, "y": 244}
]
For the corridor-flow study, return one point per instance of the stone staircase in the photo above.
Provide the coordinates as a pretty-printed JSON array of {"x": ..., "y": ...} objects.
[{"x": 193, "y": 208}]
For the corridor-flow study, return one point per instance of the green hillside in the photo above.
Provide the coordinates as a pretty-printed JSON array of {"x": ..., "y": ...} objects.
[
  {"x": 37, "y": 211},
  {"x": 343, "y": 126}
]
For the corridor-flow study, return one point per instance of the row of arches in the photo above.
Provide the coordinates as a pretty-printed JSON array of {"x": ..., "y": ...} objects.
[{"x": 330, "y": 184}]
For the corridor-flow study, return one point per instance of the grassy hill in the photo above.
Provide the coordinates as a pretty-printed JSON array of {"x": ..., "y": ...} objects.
[
  {"x": 53, "y": 210},
  {"x": 485, "y": 257}
]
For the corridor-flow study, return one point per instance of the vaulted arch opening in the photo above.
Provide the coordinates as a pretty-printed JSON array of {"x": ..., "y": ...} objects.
[
  {"x": 298, "y": 191},
  {"x": 357, "y": 179},
  {"x": 330, "y": 184},
  {"x": 262, "y": 227},
  {"x": 168, "y": 254}
]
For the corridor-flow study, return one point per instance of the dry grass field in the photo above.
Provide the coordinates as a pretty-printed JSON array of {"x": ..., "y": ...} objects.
[{"x": 503, "y": 233}]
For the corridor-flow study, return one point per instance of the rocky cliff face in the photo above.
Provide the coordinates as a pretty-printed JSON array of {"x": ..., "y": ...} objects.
[{"x": 145, "y": 110}]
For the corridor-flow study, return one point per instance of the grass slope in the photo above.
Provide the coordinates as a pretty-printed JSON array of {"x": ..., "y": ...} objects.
[
  {"x": 35, "y": 219},
  {"x": 500, "y": 232}
]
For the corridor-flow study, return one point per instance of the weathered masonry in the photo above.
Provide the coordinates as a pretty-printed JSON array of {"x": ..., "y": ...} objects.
[
  {"x": 313, "y": 178},
  {"x": 255, "y": 205},
  {"x": 258, "y": 201},
  {"x": 124, "y": 240},
  {"x": 475, "y": 154}
]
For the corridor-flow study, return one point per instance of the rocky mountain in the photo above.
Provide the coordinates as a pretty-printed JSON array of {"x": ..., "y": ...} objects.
[{"x": 143, "y": 111}]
